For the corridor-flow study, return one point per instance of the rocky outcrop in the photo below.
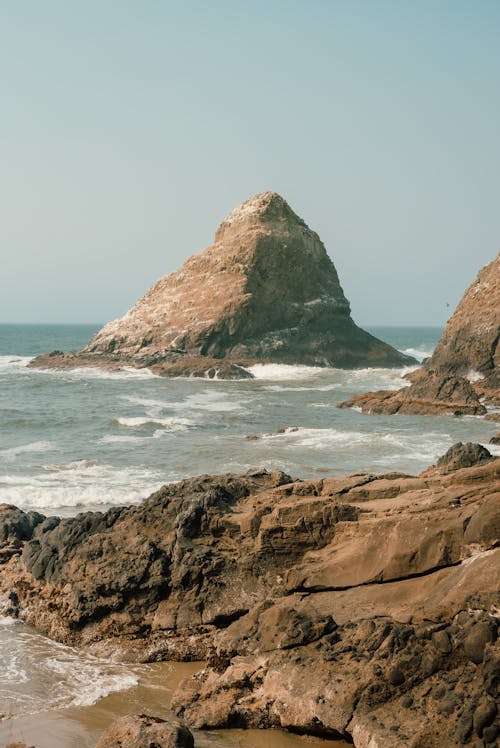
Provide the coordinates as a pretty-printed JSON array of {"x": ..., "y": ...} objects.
[
  {"x": 143, "y": 731},
  {"x": 463, "y": 456},
  {"x": 364, "y": 606},
  {"x": 265, "y": 290},
  {"x": 464, "y": 371},
  {"x": 470, "y": 342}
]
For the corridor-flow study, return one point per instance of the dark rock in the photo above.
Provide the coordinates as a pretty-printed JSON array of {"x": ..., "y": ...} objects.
[
  {"x": 491, "y": 673},
  {"x": 142, "y": 731},
  {"x": 395, "y": 677},
  {"x": 490, "y": 734},
  {"x": 441, "y": 641},
  {"x": 462, "y": 456},
  {"x": 479, "y": 635},
  {"x": 484, "y": 714}
]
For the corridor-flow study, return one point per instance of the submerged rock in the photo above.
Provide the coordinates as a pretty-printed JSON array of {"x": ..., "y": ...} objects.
[
  {"x": 464, "y": 371},
  {"x": 265, "y": 291}
]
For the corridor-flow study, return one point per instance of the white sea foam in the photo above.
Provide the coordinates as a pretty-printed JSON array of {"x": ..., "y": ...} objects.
[
  {"x": 379, "y": 446},
  {"x": 8, "y": 621},
  {"x": 312, "y": 388},
  {"x": 169, "y": 424},
  {"x": 285, "y": 372},
  {"x": 212, "y": 401},
  {"x": 91, "y": 372},
  {"x": 12, "y": 452},
  {"x": 153, "y": 408},
  {"x": 417, "y": 353},
  {"x": 369, "y": 378},
  {"x": 56, "y": 676},
  {"x": 79, "y": 484},
  {"x": 14, "y": 363}
]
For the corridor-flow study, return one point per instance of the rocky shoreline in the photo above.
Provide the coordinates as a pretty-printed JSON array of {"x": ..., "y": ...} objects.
[
  {"x": 462, "y": 376},
  {"x": 364, "y": 607}
]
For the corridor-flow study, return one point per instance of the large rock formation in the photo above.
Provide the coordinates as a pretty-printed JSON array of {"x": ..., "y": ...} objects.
[
  {"x": 265, "y": 290},
  {"x": 364, "y": 606},
  {"x": 464, "y": 370}
]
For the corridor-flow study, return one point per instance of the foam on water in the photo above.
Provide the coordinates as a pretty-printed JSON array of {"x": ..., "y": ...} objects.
[
  {"x": 211, "y": 401},
  {"x": 285, "y": 372},
  {"x": 169, "y": 424},
  {"x": 37, "y": 674},
  {"x": 91, "y": 372},
  {"x": 78, "y": 484},
  {"x": 12, "y": 452},
  {"x": 14, "y": 363},
  {"x": 417, "y": 353},
  {"x": 383, "y": 447}
]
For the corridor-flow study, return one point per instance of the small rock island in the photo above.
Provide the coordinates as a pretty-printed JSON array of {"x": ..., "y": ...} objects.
[{"x": 264, "y": 291}]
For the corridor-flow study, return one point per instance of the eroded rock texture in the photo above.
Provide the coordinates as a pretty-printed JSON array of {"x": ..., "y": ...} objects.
[
  {"x": 265, "y": 290},
  {"x": 365, "y": 605},
  {"x": 464, "y": 370}
]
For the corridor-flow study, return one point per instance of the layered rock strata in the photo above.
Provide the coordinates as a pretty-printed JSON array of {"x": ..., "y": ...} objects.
[
  {"x": 265, "y": 290},
  {"x": 364, "y": 606},
  {"x": 464, "y": 371}
]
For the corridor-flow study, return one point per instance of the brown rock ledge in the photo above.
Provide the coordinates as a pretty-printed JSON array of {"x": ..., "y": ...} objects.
[
  {"x": 464, "y": 371},
  {"x": 363, "y": 606},
  {"x": 264, "y": 291}
]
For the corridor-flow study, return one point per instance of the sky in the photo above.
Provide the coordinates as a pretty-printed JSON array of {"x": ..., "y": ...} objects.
[{"x": 128, "y": 130}]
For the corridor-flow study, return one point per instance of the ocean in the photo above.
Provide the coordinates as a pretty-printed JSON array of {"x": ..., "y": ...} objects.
[{"x": 89, "y": 439}]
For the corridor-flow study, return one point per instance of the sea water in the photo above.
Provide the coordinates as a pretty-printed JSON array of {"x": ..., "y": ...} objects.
[{"x": 90, "y": 439}]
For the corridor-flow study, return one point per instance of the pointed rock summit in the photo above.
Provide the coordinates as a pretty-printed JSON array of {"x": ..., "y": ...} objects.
[{"x": 264, "y": 291}]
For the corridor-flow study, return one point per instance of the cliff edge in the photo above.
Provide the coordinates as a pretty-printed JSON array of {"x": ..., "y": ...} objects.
[{"x": 464, "y": 371}]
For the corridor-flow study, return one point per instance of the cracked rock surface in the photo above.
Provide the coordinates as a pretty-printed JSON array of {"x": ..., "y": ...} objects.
[{"x": 364, "y": 606}]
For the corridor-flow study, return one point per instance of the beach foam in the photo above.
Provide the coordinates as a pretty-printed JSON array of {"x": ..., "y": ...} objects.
[
  {"x": 55, "y": 675},
  {"x": 78, "y": 484}
]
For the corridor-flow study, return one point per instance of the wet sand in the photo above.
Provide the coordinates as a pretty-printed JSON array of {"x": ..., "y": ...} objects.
[{"x": 81, "y": 727}]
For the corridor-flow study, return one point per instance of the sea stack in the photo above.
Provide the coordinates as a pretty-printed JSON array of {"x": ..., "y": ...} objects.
[
  {"x": 463, "y": 374},
  {"x": 264, "y": 291}
]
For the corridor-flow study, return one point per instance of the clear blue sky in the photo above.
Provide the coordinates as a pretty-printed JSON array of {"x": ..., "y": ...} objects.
[{"x": 129, "y": 129}]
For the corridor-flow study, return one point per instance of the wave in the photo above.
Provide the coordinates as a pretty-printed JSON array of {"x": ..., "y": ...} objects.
[
  {"x": 78, "y": 484},
  {"x": 8, "y": 621},
  {"x": 59, "y": 676},
  {"x": 379, "y": 446},
  {"x": 94, "y": 372},
  {"x": 12, "y": 452},
  {"x": 14, "y": 363},
  {"x": 211, "y": 401},
  {"x": 168, "y": 424},
  {"x": 418, "y": 353},
  {"x": 286, "y": 372}
]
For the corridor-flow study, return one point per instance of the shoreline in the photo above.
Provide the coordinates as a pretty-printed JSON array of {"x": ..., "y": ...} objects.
[
  {"x": 81, "y": 727},
  {"x": 282, "y": 585}
]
